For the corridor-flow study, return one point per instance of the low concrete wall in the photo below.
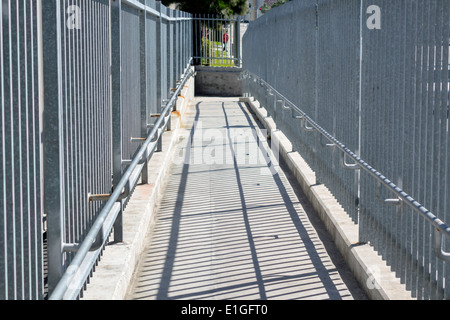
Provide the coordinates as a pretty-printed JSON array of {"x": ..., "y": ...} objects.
[{"x": 218, "y": 81}]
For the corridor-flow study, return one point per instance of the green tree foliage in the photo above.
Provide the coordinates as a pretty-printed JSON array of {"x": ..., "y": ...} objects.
[
  {"x": 265, "y": 7},
  {"x": 221, "y": 7}
]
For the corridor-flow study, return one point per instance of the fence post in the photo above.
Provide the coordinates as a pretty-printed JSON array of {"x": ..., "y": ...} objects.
[
  {"x": 116, "y": 87},
  {"x": 238, "y": 41},
  {"x": 196, "y": 42},
  {"x": 143, "y": 81},
  {"x": 171, "y": 50},
  {"x": 53, "y": 195},
  {"x": 171, "y": 63},
  {"x": 159, "y": 64}
]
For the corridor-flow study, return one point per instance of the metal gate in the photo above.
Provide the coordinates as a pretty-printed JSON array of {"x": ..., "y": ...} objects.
[{"x": 217, "y": 41}]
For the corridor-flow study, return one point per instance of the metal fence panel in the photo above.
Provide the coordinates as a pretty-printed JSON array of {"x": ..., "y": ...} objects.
[
  {"x": 21, "y": 240},
  {"x": 337, "y": 95},
  {"x": 151, "y": 55},
  {"x": 79, "y": 86},
  {"x": 77, "y": 123},
  {"x": 374, "y": 78},
  {"x": 268, "y": 47},
  {"x": 316, "y": 77},
  {"x": 405, "y": 135},
  {"x": 131, "y": 85},
  {"x": 140, "y": 67}
]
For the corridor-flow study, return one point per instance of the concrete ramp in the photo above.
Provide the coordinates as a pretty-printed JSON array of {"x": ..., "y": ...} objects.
[{"x": 230, "y": 225}]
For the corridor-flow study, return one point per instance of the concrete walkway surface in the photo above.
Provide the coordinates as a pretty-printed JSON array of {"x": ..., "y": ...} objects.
[{"x": 230, "y": 225}]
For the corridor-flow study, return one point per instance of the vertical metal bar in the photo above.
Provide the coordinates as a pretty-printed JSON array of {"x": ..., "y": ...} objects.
[
  {"x": 408, "y": 131},
  {"x": 170, "y": 50},
  {"x": 152, "y": 55},
  {"x": 182, "y": 36},
  {"x": 211, "y": 37},
  {"x": 36, "y": 221},
  {"x": 395, "y": 104},
  {"x": 171, "y": 57},
  {"x": 9, "y": 155},
  {"x": 178, "y": 43},
  {"x": 116, "y": 107},
  {"x": 38, "y": 107},
  {"x": 27, "y": 180},
  {"x": 15, "y": 119},
  {"x": 3, "y": 202},
  {"x": 445, "y": 152},
  {"x": 416, "y": 283},
  {"x": 421, "y": 132},
  {"x": 439, "y": 140},
  {"x": 52, "y": 141},
  {"x": 238, "y": 42},
  {"x": 432, "y": 176},
  {"x": 159, "y": 65},
  {"x": 429, "y": 67},
  {"x": 410, "y": 268},
  {"x": 77, "y": 131},
  {"x": 143, "y": 81}
]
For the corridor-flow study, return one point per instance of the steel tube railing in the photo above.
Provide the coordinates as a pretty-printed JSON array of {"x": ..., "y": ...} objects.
[{"x": 442, "y": 229}]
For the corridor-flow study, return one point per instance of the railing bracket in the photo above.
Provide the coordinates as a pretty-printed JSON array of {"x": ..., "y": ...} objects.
[
  {"x": 105, "y": 197},
  {"x": 393, "y": 201},
  {"x": 323, "y": 144},
  {"x": 137, "y": 139},
  {"x": 440, "y": 253},
  {"x": 305, "y": 125},
  {"x": 345, "y": 165},
  {"x": 295, "y": 116}
]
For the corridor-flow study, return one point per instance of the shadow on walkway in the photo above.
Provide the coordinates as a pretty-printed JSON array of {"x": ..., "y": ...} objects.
[{"x": 235, "y": 229}]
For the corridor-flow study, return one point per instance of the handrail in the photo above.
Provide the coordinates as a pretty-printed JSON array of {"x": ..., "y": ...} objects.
[
  {"x": 64, "y": 289},
  {"x": 442, "y": 229}
]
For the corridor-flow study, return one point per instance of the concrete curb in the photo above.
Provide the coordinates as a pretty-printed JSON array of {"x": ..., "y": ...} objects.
[
  {"x": 115, "y": 270},
  {"x": 374, "y": 276}
]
